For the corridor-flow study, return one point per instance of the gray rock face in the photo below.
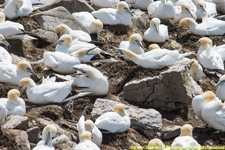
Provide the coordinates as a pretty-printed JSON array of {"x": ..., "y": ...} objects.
[
  {"x": 170, "y": 132},
  {"x": 48, "y": 36},
  {"x": 48, "y": 20},
  {"x": 140, "y": 19},
  {"x": 171, "y": 90},
  {"x": 33, "y": 134},
  {"x": 147, "y": 120},
  {"x": 16, "y": 122}
]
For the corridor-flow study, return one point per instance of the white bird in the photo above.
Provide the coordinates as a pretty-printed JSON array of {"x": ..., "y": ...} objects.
[
  {"x": 11, "y": 73},
  {"x": 181, "y": 2},
  {"x": 199, "y": 101},
  {"x": 61, "y": 62},
  {"x": 89, "y": 79},
  {"x": 210, "y": 27},
  {"x": 134, "y": 44},
  {"x": 18, "y": 8},
  {"x": 111, "y": 16},
  {"x": 205, "y": 9},
  {"x": 47, "y": 134},
  {"x": 89, "y": 22},
  {"x": 156, "y": 144},
  {"x": 114, "y": 122},
  {"x": 153, "y": 7},
  {"x": 88, "y": 125},
  {"x": 139, "y": 4},
  {"x": 153, "y": 46},
  {"x": 186, "y": 11},
  {"x": 165, "y": 10},
  {"x": 154, "y": 59},
  {"x": 75, "y": 34},
  {"x": 221, "y": 87},
  {"x": 86, "y": 143},
  {"x": 107, "y": 3},
  {"x": 185, "y": 139},
  {"x": 157, "y": 32},
  {"x": 196, "y": 70},
  {"x": 5, "y": 57},
  {"x": 208, "y": 57}
]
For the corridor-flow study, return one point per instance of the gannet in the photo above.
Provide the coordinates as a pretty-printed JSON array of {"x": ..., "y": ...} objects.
[
  {"x": 75, "y": 34},
  {"x": 11, "y": 73},
  {"x": 181, "y": 2},
  {"x": 153, "y": 7},
  {"x": 186, "y": 11},
  {"x": 134, "y": 44},
  {"x": 18, "y": 8},
  {"x": 61, "y": 62},
  {"x": 205, "y": 9},
  {"x": 111, "y": 16},
  {"x": 114, "y": 122},
  {"x": 139, "y": 4},
  {"x": 199, "y": 101},
  {"x": 153, "y": 46},
  {"x": 107, "y": 3},
  {"x": 88, "y": 125},
  {"x": 196, "y": 70},
  {"x": 89, "y": 22},
  {"x": 210, "y": 27},
  {"x": 47, "y": 134},
  {"x": 157, "y": 32},
  {"x": 5, "y": 57},
  {"x": 154, "y": 59},
  {"x": 185, "y": 139},
  {"x": 207, "y": 56},
  {"x": 221, "y": 87},
  {"x": 156, "y": 144},
  {"x": 86, "y": 143}
]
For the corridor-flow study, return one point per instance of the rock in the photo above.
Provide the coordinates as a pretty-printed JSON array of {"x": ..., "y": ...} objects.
[
  {"x": 172, "y": 44},
  {"x": 16, "y": 122},
  {"x": 48, "y": 20},
  {"x": 63, "y": 142},
  {"x": 147, "y": 120},
  {"x": 140, "y": 19},
  {"x": 173, "y": 89},
  {"x": 71, "y": 5},
  {"x": 170, "y": 132},
  {"x": 47, "y": 36},
  {"x": 18, "y": 137},
  {"x": 33, "y": 134}
]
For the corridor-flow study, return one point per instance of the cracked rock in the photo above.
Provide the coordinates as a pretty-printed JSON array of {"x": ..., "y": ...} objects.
[
  {"x": 170, "y": 132},
  {"x": 16, "y": 122},
  {"x": 147, "y": 120},
  {"x": 173, "y": 89},
  {"x": 140, "y": 19}
]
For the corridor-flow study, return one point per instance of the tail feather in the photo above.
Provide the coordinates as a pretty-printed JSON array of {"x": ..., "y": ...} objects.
[
  {"x": 77, "y": 96},
  {"x": 37, "y": 62},
  {"x": 67, "y": 77},
  {"x": 185, "y": 55}
]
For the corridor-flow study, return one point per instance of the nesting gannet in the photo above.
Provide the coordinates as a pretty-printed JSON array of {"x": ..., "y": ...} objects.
[
  {"x": 210, "y": 27},
  {"x": 185, "y": 139},
  {"x": 139, "y": 4},
  {"x": 47, "y": 134},
  {"x": 75, "y": 34},
  {"x": 11, "y": 73},
  {"x": 89, "y": 22},
  {"x": 111, "y": 16},
  {"x": 134, "y": 44},
  {"x": 107, "y": 3},
  {"x": 205, "y": 9},
  {"x": 114, "y": 122},
  {"x": 153, "y": 7},
  {"x": 88, "y": 125},
  {"x": 61, "y": 62},
  {"x": 157, "y": 32},
  {"x": 154, "y": 59},
  {"x": 18, "y": 8},
  {"x": 186, "y": 11},
  {"x": 156, "y": 144},
  {"x": 5, "y": 57},
  {"x": 221, "y": 87},
  {"x": 208, "y": 57},
  {"x": 196, "y": 70},
  {"x": 86, "y": 143},
  {"x": 199, "y": 101},
  {"x": 153, "y": 46}
]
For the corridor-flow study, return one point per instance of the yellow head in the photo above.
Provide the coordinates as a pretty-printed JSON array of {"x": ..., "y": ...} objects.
[
  {"x": 13, "y": 95},
  {"x": 201, "y": 4},
  {"x": 2, "y": 17},
  {"x": 156, "y": 144},
  {"x": 208, "y": 96},
  {"x": 86, "y": 135},
  {"x": 49, "y": 132},
  {"x": 122, "y": 7},
  {"x": 134, "y": 38},
  {"x": 65, "y": 38},
  {"x": 153, "y": 46},
  {"x": 185, "y": 7},
  {"x": 155, "y": 22},
  {"x": 98, "y": 25},
  {"x": 187, "y": 22},
  {"x": 61, "y": 29},
  {"x": 89, "y": 125},
  {"x": 25, "y": 82},
  {"x": 120, "y": 109},
  {"x": 206, "y": 42},
  {"x": 194, "y": 66},
  {"x": 23, "y": 65},
  {"x": 186, "y": 130}
]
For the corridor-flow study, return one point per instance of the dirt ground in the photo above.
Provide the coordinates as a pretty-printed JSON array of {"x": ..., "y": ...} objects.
[{"x": 118, "y": 73}]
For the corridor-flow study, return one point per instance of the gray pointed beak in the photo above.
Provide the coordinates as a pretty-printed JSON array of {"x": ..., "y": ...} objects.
[
  {"x": 196, "y": 43},
  {"x": 91, "y": 49},
  {"x": 98, "y": 35},
  {"x": 21, "y": 89},
  {"x": 157, "y": 28},
  {"x": 218, "y": 84},
  {"x": 188, "y": 10},
  {"x": 203, "y": 8},
  {"x": 58, "y": 42},
  {"x": 128, "y": 11},
  {"x": 48, "y": 138},
  {"x": 31, "y": 71},
  {"x": 5, "y": 43},
  {"x": 58, "y": 34},
  {"x": 140, "y": 44}
]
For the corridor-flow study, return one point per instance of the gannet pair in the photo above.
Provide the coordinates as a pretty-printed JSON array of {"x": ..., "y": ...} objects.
[
  {"x": 111, "y": 16},
  {"x": 48, "y": 133},
  {"x": 196, "y": 70},
  {"x": 86, "y": 143},
  {"x": 185, "y": 140},
  {"x": 12, "y": 105},
  {"x": 5, "y": 57},
  {"x": 75, "y": 34},
  {"x": 154, "y": 59},
  {"x": 107, "y": 3},
  {"x": 18, "y": 8},
  {"x": 157, "y": 32},
  {"x": 210, "y": 26},
  {"x": 139, "y": 4},
  {"x": 210, "y": 57},
  {"x": 61, "y": 62},
  {"x": 205, "y": 9},
  {"x": 89, "y": 22}
]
